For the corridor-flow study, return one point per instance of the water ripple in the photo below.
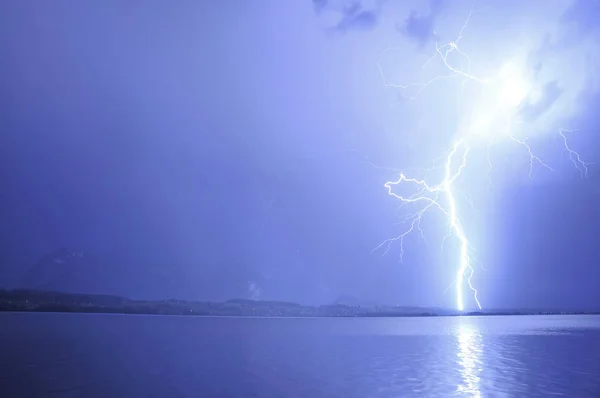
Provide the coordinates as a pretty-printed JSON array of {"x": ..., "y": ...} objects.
[{"x": 62, "y": 355}]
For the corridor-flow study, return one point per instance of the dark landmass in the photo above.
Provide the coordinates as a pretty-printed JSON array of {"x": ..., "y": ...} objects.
[{"x": 23, "y": 300}]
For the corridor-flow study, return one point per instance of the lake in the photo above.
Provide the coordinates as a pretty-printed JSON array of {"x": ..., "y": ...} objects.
[{"x": 91, "y": 355}]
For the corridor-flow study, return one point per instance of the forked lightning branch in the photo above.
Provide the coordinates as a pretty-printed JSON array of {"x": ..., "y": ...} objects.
[{"x": 492, "y": 120}]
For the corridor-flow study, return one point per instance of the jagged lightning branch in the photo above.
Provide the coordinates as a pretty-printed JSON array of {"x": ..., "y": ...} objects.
[{"x": 510, "y": 92}]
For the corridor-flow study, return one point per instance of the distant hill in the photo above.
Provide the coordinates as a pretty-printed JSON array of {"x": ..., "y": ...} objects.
[
  {"x": 416, "y": 310},
  {"x": 262, "y": 303},
  {"x": 52, "y": 301},
  {"x": 73, "y": 271},
  {"x": 353, "y": 301},
  {"x": 58, "y": 270},
  {"x": 48, "y": 301}
]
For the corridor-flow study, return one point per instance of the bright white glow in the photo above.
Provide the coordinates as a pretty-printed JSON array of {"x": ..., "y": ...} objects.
[
  {"x": 470, "y": 347},
  {"x": 499, "y": 99},
  {"x": 513, "y": 87}
]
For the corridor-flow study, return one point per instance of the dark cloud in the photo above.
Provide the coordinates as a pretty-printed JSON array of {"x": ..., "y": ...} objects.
[
  {"x": 583, "y": 15},
  {"x": 420, "y": 27},
  {"x": 550, "y": 94},
  {"x": 355, "y": 16},
  {"x": 359, "y": 20},
  {"x": 319, "y": 5}
]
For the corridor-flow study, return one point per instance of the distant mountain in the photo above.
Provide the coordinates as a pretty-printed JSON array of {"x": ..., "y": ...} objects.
[
  {"x": 70, "y": 270},
  {"x": 73, "y": 271},
  {"x": 55, "y": 271}
]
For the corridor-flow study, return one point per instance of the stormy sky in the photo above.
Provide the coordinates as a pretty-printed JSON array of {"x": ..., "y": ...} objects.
[{"x": 209, "y": 150}]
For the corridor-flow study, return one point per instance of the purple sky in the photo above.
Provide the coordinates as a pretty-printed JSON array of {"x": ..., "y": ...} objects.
[{"x": 210, "y": 150}]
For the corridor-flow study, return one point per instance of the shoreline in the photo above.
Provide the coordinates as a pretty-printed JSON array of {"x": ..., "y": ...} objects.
[
  {"x": 469, "y": 315},
  {"x": 25, "y": 301}
]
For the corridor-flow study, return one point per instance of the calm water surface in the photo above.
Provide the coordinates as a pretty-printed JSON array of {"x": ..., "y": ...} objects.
[{"x": 84, "y": 355}]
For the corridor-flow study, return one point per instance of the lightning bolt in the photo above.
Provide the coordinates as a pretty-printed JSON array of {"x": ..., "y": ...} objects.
[{"x": 506, "y": 95}]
